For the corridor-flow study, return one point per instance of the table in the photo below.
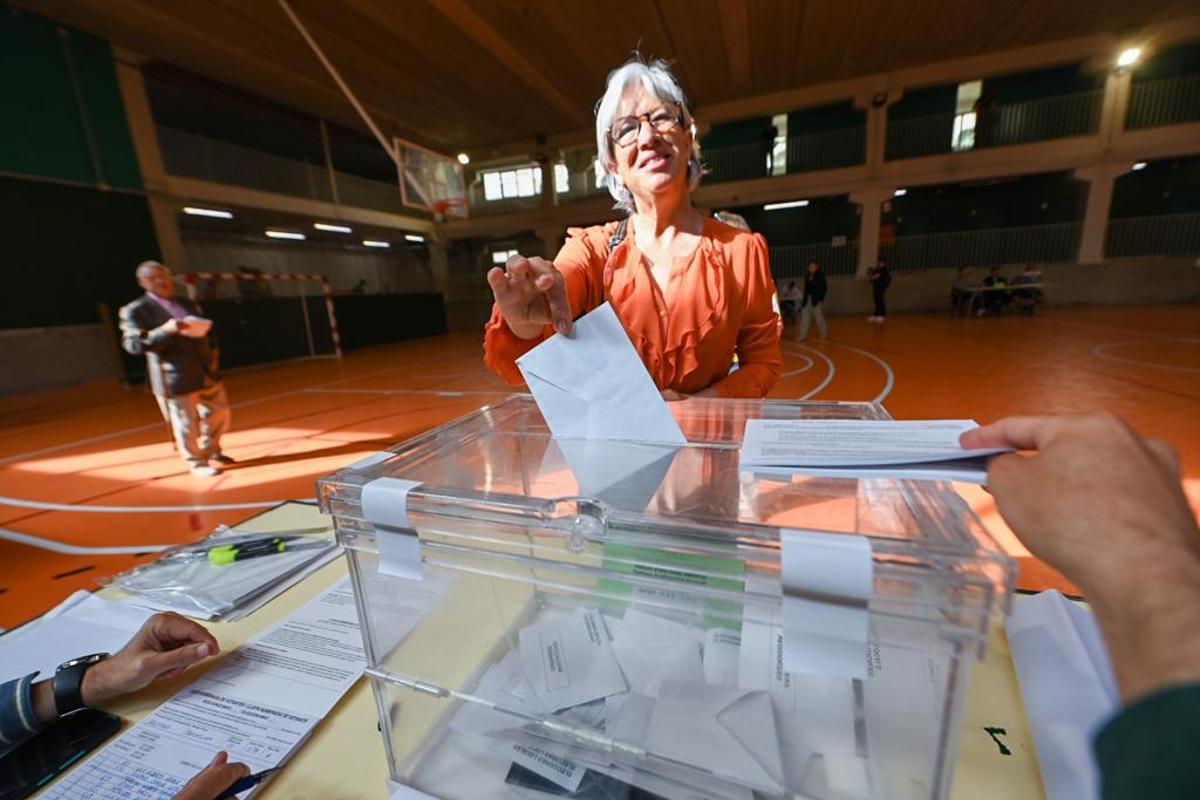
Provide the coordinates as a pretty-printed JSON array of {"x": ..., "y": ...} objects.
[
  {"x": 345, "y": 758},
  {"x": 976, "y": 291}
]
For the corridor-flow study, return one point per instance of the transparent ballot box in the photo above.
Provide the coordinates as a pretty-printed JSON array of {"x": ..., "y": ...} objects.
[{"x": 576, "y": 618}]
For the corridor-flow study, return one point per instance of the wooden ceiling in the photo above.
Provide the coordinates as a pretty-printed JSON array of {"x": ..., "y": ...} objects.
[{"x": 465, "y": 74}]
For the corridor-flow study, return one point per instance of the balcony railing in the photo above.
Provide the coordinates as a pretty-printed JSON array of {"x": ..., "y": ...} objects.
[
  {"x": 738, "y": 163},
  {"x": 790, "y": 261},
  {"x": 1162, "y": 235},
  {"x": 193, "y": 155},
  {"x": 991, "y": 246},
  {"x": 1056, "y": 117},
  {"x": 845, "y": 147},
  {"x": 1169, "y": 101}
]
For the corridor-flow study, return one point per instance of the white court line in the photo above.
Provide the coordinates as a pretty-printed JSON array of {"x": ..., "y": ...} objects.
[
  {"x": 1098, "y": 352},
  {"x": 805, "y": 368},
  {"x": 435, "y": 392},
  {"x": 76, "y": 550},
  {"x": 828, "y": 377},
  {"x": 891, "y": 376},
  {"x": 47, "y": 506}
]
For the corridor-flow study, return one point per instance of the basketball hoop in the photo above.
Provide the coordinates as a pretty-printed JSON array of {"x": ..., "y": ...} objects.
[{"x": 443, "y": 209}]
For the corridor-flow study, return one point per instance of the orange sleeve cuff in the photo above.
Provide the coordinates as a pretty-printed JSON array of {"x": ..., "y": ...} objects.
[{"x": 502, "y": 348}]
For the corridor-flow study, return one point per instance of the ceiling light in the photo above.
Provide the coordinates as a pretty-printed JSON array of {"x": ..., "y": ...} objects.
[
  {"x": 1129, "y": 56},
  {"x": 412, "y": 237},
  {"x": 207, "y": 212},
  {"x": 285, "y": 235},
  {"x": 325, "y": 226},
  {"x": 789, "y": 204},
  {"x": 464, "y": 159},
  {"x": 375, "y": 243},
  {"x": 900, "y": 193},
  {"x": 1138, "y": 166}
]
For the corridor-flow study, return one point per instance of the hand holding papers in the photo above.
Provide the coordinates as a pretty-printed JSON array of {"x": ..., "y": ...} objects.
[
  {"x": 593, "y": 385},
  {"x": 915, "y": 449},
  {"x": 195, "y": 327}
]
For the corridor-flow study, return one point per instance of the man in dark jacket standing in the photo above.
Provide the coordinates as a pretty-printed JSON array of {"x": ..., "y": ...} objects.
[
  {"x": 181, "y": 361},
  {"x": 813, "y": 296},
  {"x": 881, "y": 279}
]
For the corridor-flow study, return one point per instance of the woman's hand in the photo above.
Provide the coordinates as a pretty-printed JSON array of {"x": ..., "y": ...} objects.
[
  {"x": 212, "y": 781},
  {"x": 165, "y": 646},
  {"x": 531, "y": 294}
]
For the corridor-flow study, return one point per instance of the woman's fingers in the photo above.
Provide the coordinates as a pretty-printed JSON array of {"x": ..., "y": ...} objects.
[{"x": 531, "y": 291}]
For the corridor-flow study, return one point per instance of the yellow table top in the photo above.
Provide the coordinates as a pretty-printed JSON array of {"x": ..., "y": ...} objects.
[{"x": 344, "y": 759}]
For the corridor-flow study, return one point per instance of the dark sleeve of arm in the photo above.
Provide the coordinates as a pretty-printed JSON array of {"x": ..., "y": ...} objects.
[
  {"x": 1149, "y": 749},
  {"x": 136, "y": 339},
  {"x": 17, "y": 720}
]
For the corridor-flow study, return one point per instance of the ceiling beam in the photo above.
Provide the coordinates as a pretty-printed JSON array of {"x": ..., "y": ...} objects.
[
  {"x": 460, "y": 13},
  {"x": 735, "y": 30}
]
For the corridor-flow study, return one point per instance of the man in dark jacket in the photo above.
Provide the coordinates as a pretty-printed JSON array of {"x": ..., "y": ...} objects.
[
  {"x": 181, "y": 361},
  {"x": 811, "y": 299},
  {"x": 881, "y": 279}
]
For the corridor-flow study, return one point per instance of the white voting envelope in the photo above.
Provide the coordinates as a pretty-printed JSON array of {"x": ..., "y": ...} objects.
[
  {"x": 593, "y": 385},
  {"x": 727, "y": 730},
  {"x": 1068, "y": 687}
]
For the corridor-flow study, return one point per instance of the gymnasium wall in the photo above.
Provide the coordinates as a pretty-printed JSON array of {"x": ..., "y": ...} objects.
[
  {"x": 398, "y": 270},
  {"x": 1131, "y": 281}
]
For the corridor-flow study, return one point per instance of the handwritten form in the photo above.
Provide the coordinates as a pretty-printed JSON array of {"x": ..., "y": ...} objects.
[{"x": 260, "y": 706}]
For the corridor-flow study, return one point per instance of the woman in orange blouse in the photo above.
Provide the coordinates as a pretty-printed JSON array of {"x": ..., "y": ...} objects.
[{"x": 691, "y": 292}]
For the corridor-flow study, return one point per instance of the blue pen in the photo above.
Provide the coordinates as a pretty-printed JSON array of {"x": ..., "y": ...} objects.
[{"x": 248, "y": 782}]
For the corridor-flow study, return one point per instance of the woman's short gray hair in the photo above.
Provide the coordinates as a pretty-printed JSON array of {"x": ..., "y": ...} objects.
[{"x": 656, "y": 78}]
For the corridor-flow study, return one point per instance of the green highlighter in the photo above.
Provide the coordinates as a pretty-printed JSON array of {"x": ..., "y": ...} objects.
[{"x": 229, "y": 553}]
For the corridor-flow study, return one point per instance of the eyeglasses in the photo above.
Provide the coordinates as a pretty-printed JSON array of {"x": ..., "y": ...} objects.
[{"x": 624, "y": 130}]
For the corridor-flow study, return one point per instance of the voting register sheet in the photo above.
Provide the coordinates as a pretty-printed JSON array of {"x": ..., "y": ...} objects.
[{"x": 259, "y": 705}]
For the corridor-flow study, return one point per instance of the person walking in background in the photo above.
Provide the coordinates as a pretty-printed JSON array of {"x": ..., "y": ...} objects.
[
  {"x": 815, "y": 289},
  {"x": 181, "y": 362},
  {"x": 881, "y": 278}
]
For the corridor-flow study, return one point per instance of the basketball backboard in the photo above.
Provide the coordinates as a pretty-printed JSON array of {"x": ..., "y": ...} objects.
[{"x": 430, "y": 181}]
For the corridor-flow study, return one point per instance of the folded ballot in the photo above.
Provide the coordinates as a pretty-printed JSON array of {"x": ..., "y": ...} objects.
[{"x": 839, "y": 448}]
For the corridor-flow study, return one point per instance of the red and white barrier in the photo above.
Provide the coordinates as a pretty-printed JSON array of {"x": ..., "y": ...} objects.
[{"x": 190, "y": 279}]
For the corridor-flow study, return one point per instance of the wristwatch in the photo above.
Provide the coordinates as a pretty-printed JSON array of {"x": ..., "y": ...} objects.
[{"x": 68, "y": 682}]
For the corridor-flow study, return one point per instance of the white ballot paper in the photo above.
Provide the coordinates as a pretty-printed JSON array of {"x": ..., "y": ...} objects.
[
  {"x": 727, "y": 730},
  {"x": 593, "y": 385},
  {"x": 865, "y": 448},
  {"x": 1068, "y": 686},
  {"x": 569, "y": 660},
  {"x": 83, "y": 623},
  {"x": 259, "y": 706},
  {"x": 651, "y": 649}
]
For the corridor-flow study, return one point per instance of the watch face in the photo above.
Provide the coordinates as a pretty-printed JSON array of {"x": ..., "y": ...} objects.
[{"x": 92, "y": 659}]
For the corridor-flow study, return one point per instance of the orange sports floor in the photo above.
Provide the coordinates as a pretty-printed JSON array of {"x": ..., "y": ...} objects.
[{"x": 91, "y": 466}]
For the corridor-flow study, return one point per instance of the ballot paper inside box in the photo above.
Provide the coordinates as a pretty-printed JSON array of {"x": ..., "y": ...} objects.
[{"x": 613, "y": 620}]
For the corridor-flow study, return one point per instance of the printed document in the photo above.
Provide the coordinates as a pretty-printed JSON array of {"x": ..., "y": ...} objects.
[{"x": 260, "y": 706}]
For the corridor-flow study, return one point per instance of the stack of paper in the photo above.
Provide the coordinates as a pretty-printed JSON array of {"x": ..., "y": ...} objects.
[
  {"x": 81, "y": 624},
  {"x": 913, "y": 449},
  {"x": 186, "y": 581}
]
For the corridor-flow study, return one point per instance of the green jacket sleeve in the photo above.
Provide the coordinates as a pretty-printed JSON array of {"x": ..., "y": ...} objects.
[{"x": 1149, "y": 749}]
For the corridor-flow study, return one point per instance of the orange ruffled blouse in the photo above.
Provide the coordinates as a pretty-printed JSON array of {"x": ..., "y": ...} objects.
[{"x": 719, "y": 302}]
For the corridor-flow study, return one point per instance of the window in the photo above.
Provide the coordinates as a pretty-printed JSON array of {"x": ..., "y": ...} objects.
[
  {"x": 778, "y": 159},
  {"x": 519, "y": 182},
  {"x": 500, "y": 257},
  {"x": 962, "y": 136},
  {"x": 562, "y": 179}
]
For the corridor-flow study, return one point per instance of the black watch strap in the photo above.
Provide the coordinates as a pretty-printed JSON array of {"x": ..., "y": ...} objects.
[{"x": 68, "y": 682}]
